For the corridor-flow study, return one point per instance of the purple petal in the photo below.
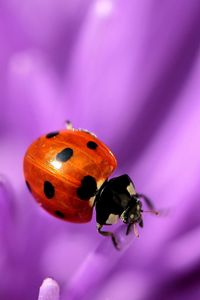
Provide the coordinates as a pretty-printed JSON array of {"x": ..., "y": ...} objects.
[
  {"x": 97, "y": 265},
  {"x": 7, "y": 210},
  {"x": 128, "y": 71},
  {"x": 49, "y": 290}
]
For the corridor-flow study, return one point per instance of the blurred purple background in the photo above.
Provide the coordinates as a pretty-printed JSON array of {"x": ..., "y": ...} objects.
[{"x": 128, "y": 71}]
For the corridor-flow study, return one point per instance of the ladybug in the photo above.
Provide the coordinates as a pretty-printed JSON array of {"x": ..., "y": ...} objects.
[{"x": 67, "y": 173}]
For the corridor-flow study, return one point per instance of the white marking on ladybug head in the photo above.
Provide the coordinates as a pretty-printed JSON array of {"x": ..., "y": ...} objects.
[
  {"x": 131, "y": 189},
  {"x": 138, "y": 208},
  {"x": 112, "y": 219}
]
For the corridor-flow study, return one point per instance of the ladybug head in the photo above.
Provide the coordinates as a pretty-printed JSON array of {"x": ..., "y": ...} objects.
[{"x": 133, "y": 213}]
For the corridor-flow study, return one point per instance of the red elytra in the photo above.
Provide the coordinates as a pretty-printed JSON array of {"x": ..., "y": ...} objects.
[{"x": 57, "y": 168}]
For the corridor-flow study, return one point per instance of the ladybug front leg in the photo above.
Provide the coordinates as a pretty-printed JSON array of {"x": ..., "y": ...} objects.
[
  {"x": 129, "y": 227},
  {"x": 108, "y": 233},
  {"x": 134, "y": 226}
]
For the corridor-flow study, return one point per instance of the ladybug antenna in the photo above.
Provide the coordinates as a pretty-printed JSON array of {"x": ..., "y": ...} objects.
[
  {"x": 135, "y": 230},
  {"x": 155, "y": 212},
  {"x": 149, "y": 204}
]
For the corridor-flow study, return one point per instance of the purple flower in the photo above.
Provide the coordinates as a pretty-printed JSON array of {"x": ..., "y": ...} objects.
[{"x": 129, "y": 72}]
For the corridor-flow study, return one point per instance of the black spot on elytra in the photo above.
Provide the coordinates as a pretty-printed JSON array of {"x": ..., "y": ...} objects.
[
  {"x": 59, "y": 214},
  {"x": 88, "y": 188},
  {"x": 64, "y": 155},
  {"x": 52, "y": 134},
  {"x": 49, "y": 190},
  {"x": 92, "y": 145},
  {"x": 28, "y": 186}
]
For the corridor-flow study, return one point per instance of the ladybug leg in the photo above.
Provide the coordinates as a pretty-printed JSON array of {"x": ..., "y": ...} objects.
[
  {"x": 108, "y": 233},
  {"x": 129, "y": 227},
  {"x": 141, "y": 224},
  {"x": 68, "y": 125}
]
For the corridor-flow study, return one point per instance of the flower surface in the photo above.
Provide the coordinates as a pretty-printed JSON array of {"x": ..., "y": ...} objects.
[{"x": 129, "y": 72}]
